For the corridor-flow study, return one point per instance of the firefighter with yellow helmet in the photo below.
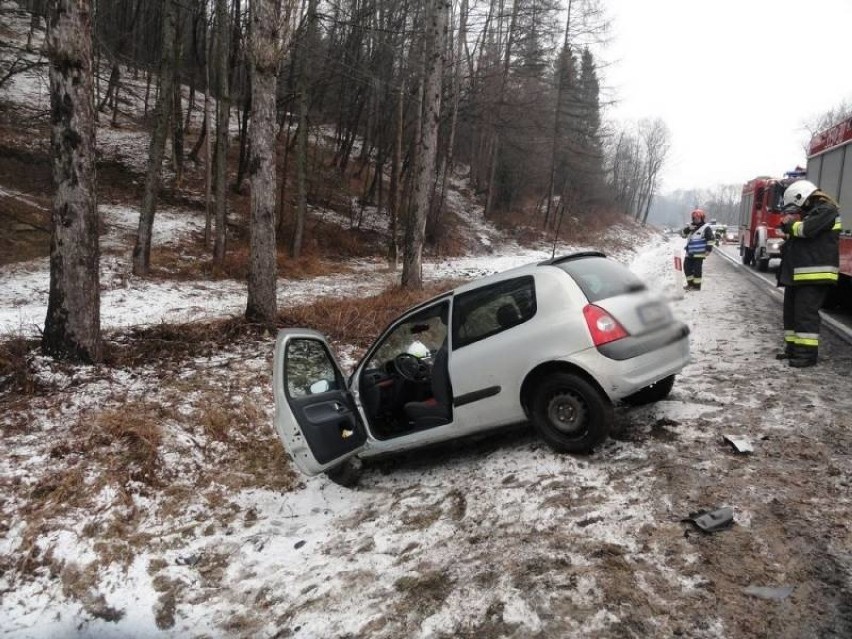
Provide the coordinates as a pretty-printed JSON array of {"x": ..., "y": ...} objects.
[{"x": 700, "y": 240}]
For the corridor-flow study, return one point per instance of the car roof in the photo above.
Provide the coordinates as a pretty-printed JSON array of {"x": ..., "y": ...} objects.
[{"x": 518, "y": 271}]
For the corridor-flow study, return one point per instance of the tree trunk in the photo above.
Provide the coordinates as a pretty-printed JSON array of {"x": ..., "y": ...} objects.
[
  {"x": 557, "y": 120},
  {"x": 504, "y": 81},
  {"x": 281, "y": 213},
  {"x": 187, "y": 123},
  {"x": 142, "y": 250},
  {"x": 242, "y": 165},
  {"x": 177, "y": 132},
  {"x": 177, "y": 89},
  {"x": 395, "y": 179},
  {"x": 114, "y": 76},
  {"x": 223, "y": 109},
  {"x": 147, "y": 91},
  {"x": 208, "y": 155},
  {"x": 302, "y": 134},
  {"x": 424, "y": 177},
  {"x": 72, "y": 327},
  {"x": 265, "y": 51},
  {"x": 449, "y": 158}
]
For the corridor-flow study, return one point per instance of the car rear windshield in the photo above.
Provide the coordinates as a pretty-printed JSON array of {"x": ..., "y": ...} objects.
[{"x": 600, "y": 278}]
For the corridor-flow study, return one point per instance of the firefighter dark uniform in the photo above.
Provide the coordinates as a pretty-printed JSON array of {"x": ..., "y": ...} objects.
[
  {"x": 700, "y": 240},
  {"x": 809, "y": 266}
]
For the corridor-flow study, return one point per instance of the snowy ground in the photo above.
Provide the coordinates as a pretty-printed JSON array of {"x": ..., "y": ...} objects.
[
  {"x": 154, "y": 500},
  {"x": 498, "y": 538}
]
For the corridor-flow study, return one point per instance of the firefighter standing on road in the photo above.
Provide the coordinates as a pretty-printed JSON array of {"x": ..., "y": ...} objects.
[
  {"x": 698, "y": 246},
  {"x": 809, "y": 266}
]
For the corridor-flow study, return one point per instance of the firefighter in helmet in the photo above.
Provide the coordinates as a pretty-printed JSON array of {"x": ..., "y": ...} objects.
[
  {"x": 809, "y": 267},
  {"x": 700, "y": 240}
]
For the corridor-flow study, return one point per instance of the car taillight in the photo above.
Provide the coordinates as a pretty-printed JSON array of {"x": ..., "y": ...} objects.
[{"x": 603, "y": 326}]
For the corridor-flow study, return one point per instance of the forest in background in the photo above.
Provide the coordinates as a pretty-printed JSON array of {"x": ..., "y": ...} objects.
[
  {"x": 519, "y": 106},
  {"x": 505, "y": 95}
]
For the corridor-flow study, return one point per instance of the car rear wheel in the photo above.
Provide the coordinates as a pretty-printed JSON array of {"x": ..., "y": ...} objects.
[
  {"x": 570, "y": 414},
  {"x": 651, "y": 393}
]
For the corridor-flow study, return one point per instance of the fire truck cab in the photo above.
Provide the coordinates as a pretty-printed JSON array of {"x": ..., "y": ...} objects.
[{"x": 760, "y": 217}]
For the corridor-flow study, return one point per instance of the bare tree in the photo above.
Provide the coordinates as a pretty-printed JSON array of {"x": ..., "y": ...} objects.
[
  {"x": 657, "y": 142},
  {"x": 834, "y": 115},
  {"x": 395, "y": 177},
  {"x": 157, "y": 148},
  {"x": 303, "y": 54},
  {"x": 269, "y": 30},
  {"x": 72, "y": 326},
  {"x": 424, "y": 175},
  {"x": 223, "y": 112}
]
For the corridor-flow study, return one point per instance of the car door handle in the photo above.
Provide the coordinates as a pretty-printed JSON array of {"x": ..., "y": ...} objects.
[{"x": 339, "y": 407}]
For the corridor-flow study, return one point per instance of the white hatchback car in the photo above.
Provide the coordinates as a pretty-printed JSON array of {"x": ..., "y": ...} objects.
[{"x": 554, "y": 343}]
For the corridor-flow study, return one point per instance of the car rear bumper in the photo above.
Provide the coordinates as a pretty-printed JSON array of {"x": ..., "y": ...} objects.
[
  {"x": 631, "y": 347},
  {"x": 640, "y": 361}
]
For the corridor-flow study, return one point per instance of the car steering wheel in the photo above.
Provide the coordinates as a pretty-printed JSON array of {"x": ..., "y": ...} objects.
[{"x": 411, "y": 368}]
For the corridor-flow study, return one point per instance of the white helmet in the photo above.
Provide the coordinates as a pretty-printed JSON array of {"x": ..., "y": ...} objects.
[
  {"x": 798, "y": 193},
  {"x": 418, "y": 349}
]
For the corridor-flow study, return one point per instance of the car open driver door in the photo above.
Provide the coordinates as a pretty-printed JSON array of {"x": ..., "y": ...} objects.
[{"x": 315, "y": 414}]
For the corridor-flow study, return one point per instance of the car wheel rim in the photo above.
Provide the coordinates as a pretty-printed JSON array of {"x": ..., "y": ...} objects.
[{"x": 568, "y": 413}]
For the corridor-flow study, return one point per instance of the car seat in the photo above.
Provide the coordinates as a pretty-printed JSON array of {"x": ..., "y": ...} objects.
[
  {"x": 508, "y": 316},
  {"x": 437, "y": 410}
]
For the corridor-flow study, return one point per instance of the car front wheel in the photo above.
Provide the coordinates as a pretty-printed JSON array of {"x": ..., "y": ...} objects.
[
  {"x": 651, "y": 393},
  {"x": 346, "y": 474},
  {"x": 570, "y": 414}
]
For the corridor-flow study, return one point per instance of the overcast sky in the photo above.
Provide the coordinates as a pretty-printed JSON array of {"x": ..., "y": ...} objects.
[{"x": 734, "y": 80}]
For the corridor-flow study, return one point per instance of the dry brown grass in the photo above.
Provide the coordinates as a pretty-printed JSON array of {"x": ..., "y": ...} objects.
[
  {"x": 424, "y": 592},
  {"x": 174, "y": 343},
  {"x": 133, "y": 435},
  {"x": 589, "y": 227},
  {"x": 310, "y": 264},
  {"x": 16, "y": 373},
  {"x": 24, "y": 229},
  {"x": 80, "y": 584},
  {"x": 44, "y": 503},
  {"x": 355, "y": 321},
  {"x": 115, "y": 448},
  {"x": 522, "y": 225},
  {"x": 254, "y": 455},
  {"x": 326, "y": 244},
  {"x": 358, "y": 321},
  {"x": 114, "y": 452}
]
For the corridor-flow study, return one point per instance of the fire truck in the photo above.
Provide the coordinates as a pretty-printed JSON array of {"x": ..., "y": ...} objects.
[
  {"x": 760, "y": 217},
  {"x": 830, "y": 168}
]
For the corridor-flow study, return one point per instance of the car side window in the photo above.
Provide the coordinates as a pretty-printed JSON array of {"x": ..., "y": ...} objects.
[
  {"x": 420, "y": 335},
  {"x": 309, "y": 368},
  {"x": 492, "y": 309}
]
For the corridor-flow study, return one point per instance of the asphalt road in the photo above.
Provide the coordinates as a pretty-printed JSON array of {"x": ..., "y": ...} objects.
[{"x": 839, "y": 321}]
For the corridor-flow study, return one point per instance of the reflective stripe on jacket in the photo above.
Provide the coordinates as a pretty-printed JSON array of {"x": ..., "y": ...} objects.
[
  {"x": 700, "y": 242},
  {"x": 811, "y": 253}
]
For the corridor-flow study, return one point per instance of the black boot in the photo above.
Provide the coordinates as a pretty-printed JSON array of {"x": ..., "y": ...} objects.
[
  {"x": 787, "y": 354},
  {"x": 803, "y": 356},
  {"x": 802, "y": 362}
]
